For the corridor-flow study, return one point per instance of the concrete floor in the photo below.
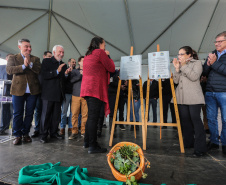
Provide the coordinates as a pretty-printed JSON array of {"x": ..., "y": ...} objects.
[{"x": 168, "y": 165}]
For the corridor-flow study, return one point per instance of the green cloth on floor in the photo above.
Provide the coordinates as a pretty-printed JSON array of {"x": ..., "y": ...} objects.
[{"x": 48, "y": 173}]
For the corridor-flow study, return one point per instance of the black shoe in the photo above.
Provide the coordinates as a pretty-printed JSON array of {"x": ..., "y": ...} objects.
[
  {"x": 98, "y": 133},
  {"x": 57, "y": 136},
  {"x": 224, "y": 149},
  {"x": 212, "y": 146},
  {"x": 43, "y": 140},
  {"x": 207, "y": 131},
  {"x": 35, "y": 134},
  {"x": 164, "y": 127},
  {"x": 104, "y": 126},
  {"x": 86, "y": 145},
  {"x": 2, "y": 132},
  {"x": 199, "y": 154},
  {"x": 97, "y": 149},
  {"x": 122, "y": 127}
]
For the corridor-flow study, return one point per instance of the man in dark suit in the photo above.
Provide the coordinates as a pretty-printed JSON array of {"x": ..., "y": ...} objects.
[
  {"x": 25, "y": 88},
  {"x": 53, "y": 73}
]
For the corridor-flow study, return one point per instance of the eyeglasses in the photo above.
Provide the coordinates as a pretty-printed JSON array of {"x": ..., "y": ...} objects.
[
  {"x": 220, "y": 41},
  {"x": 180, "y": 54}
]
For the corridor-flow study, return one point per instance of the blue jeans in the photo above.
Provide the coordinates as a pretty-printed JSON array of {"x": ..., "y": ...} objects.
[
  {"x": 136, "y": 110},
  {"x": 213, "y": 101},
  {"x": 65, "y": 106},
  {"x": 22, "y": 126},
  {"x": 152, "y": 102},
  {"x": 38, "y": 112}
]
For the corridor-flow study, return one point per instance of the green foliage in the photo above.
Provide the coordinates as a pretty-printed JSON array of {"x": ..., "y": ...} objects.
[{"x": 126, "y": 160}]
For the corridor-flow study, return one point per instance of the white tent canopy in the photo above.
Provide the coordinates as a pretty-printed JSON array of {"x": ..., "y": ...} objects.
[{"x": 122, "y": 23}]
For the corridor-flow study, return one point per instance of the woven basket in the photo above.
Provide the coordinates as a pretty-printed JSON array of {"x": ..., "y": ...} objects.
[{"x": 137, "y": 173}]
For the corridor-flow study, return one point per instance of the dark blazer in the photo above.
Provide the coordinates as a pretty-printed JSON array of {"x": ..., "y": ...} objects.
[
  {"x": 53, "y": 84},
  {"x": 22, "y": 77},
  {"x": 76, "y": 80},
  {"x": 154, "y": 90}
]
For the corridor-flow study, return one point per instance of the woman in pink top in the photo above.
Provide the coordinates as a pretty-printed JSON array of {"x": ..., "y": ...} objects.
[{"x": 97, "y": 66}]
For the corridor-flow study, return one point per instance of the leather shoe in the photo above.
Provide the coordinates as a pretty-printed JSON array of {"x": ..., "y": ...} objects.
[
  {"x": 17, "y": 141},
  {"x": 97, "y": 149},
  {"x": 86, "y": 145},
  {"x": 57, "y": 136},
  {"x": 43, "y": 140},
  {"x": 35, "y": 134},
  {"x": 224, "y": 149},
  {"x": 27, "y": 139},
  {"x": 212, "y": 146},
  {"x": 199, "y": 154}
]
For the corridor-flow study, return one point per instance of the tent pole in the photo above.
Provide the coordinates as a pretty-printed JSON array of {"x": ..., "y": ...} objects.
[{"x": 169, "y": 26}]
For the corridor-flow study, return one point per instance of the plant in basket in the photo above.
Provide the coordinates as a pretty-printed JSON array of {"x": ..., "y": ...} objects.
[{"x": 127, "y": 162}]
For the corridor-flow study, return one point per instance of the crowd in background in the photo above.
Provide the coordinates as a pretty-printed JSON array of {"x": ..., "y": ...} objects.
[{"x": 51, "y": 87}]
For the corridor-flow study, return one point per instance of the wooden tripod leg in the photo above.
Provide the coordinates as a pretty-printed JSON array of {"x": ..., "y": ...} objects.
[
  {"x": 160, "y": 106},
  {"x": 115, "y": 113},
  {"x": 147, "y": 104},
  {"x": 142, "y": 115},
  {"x": 134, "y": 119},
  {"x": 177, "y": 116}
]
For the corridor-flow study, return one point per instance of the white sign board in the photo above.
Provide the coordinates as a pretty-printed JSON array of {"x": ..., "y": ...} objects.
[
  {"x": 159, "y": 65},
  {"x": 130, "y": 67}
]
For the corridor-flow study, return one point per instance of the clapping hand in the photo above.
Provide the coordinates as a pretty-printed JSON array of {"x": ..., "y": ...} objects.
[
  {"x": 60, "y": 67},
  {"x": 68, "y": 71},
  {"x": 211, "y": 59},
  {"x": 176, "y": 64},
  {"x": 27, "y": 60}
]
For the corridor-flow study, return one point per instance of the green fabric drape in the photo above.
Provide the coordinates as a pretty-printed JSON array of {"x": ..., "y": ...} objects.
[{"x": 48, "y": 173}]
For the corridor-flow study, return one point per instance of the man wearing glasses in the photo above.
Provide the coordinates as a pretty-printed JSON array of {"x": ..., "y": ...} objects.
[{"x": 215, "y": 70}]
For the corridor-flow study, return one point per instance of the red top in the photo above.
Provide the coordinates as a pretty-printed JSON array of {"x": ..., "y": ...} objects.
[{"x": 96, "y": 76}]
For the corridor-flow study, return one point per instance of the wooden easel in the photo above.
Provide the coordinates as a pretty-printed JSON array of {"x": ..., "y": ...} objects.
[
  {"x": 161, "y": 110},
  {"x": 128, "y": 122}
]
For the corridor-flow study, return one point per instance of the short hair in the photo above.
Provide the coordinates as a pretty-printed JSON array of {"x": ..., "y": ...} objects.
[
  {"x": 70, "y": 59},
  {"x": 46, "y": 52},
  {"x": 23, "y": 40},
  {"x": 54, "y": 47},
  {"x": 9, "y": 54},
  {"x": 221, "y": 34},
  {"x": 80, "y": 58}
]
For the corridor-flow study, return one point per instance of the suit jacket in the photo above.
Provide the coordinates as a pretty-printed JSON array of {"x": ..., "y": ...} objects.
[
  {"x": 154, "y": 90},
  {"x": 22, "y": 77},
  {"x": 76, "y": 80},
  {"x": 53, "y": 84}
]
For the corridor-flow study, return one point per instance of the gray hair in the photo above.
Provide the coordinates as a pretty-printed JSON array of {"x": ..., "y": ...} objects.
[
  {"x": 221, "y": 34},
  {"x": 22, "y": 40},
  {"x": 54, "y": 47}
]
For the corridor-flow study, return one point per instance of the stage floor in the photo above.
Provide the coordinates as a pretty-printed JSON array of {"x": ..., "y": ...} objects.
[{"x": 168, "y": 165}]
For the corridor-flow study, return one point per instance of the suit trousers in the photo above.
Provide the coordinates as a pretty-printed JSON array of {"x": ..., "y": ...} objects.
[
  {"x": 50, "y": 119},
  {"x": 193, "y": 129},
  {"x": 21, "y": 126},
  {"x": 94, "y": 106},
  {"x": 166, "y": 102},
  {"x": 77, "y": 104}
]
